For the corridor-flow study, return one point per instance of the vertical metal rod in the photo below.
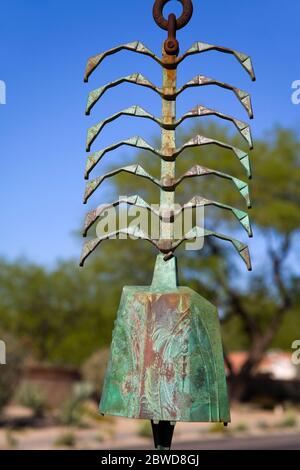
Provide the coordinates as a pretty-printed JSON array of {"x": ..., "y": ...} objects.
[
  {"x": 167, "y": 198},
  {"x": 163, "y": 430}
]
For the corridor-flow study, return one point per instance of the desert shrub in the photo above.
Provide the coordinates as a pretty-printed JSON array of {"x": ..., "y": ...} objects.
[
  {"x": 11, "y": 441},
  {"x": 72, "y": 411},
  {"x": 288, "y": 421},
  {"x": 240, "y": 427},
  {"x": 262, "y": 425},
  {"x": 145, "y": 429},
  {"x": 67, "y": 439},
  {"x": 93, "y": 370},
  {"x": 29, "y": 396},
  {"x": 218, "y": 428}
]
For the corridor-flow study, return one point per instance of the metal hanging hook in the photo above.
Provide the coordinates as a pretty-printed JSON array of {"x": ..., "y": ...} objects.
[
  {"x": 180, "y": 22},
  {"x": 171, "y": 25}
]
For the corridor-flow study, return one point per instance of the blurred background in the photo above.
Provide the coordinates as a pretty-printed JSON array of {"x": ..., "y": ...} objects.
[{"x": 56, "y": 319}]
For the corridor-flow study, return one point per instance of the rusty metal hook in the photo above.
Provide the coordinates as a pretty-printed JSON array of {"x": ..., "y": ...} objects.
[
  {"x": 180, "y": 22},
  {"x": 171, "y": 45}
]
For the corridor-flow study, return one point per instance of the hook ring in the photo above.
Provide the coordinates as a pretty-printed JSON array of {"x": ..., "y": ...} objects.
[{"x": 180, "y": 22}]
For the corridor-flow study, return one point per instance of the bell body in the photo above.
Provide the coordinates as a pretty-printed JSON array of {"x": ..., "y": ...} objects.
[{"x": 166, "y": 361}]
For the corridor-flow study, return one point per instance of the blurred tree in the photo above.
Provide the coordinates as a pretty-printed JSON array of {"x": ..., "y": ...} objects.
[{"x": 62, "y": 315}]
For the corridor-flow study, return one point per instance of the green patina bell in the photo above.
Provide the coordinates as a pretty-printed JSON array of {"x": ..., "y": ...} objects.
[{"x": 166, "y": 360}]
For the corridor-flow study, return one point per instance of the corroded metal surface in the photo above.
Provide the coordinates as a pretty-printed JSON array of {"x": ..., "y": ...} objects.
[
  {"x": 197, "y": 48},
  {"x": 136, "y": 141},
  {"x": 168, "y": 152},
  {"x": 135, "y": 46},
  {"x": 168, "y": 147},
  {"x": 165, "y": 246},
  {"x": 136, "y": 170},
  {"x": 200, "y": 111},
  {"x": 166, "y": 360},
  {"x": 242, "y": 216},
  {"x": 198, "y": 170},
  {"x": 200, "y": 47},
  {"x": 166, "y": 357},
  {"x": 200, "y": 141},
  {"x": 136, "y": 111},
  {"x": 187, "y": 12},
  {"x": 135, "y": 78},
  {"x": 162, "y": 212},
  {"x": 200, "y": 80}
]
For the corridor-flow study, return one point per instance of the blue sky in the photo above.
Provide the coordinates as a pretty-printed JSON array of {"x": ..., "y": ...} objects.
[{"x": 44, "y": 46}]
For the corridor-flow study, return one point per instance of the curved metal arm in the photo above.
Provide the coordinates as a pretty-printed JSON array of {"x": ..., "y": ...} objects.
[
  {"x": 136, "y": 78},
  {"x": 200, "y": 80},
  {"x": 137, "y": 170},
  {"x": 136, "y": 141},
  {"x": 198, "y": 170},
  {"x": 136, "y": 111},
  {"x": 134, "y": 232},
  {"x": 165, "y": 246},
  {"x": 198, "y": 232},
  {"x": 200, "y": 141},
  {"x": 241, "y": 216},
  {"x": 200, "y": 47},
  {"x": 136, "y": 46},
  {"x": 199, "y": 111},
  {"x": 135, "y": 201}
]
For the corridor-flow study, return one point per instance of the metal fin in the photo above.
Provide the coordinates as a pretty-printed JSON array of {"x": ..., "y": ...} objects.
[
  {"x": 133, "y": 232},
  {"x": 135, "y": 141},
  {"x": 199, "y": 111},
  {"x": 200, "y": 47},
  {"x": 200, "y": 80},
  {"x": 94, "y": 215},
  {"x": 136, "y": 111},
  {"x": 136, "y": 46},
  {"x": 198, "y": 232},
  {"x": 200, "y": 140},
  {"x": 137, "y": 170},
  {"x": 136, "y": 78},
  {"x": 241, "y": 216},
  {"x": 198, "y": 170}
]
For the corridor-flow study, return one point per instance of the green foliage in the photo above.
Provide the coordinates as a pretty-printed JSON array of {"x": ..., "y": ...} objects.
[
  {"x": 217, "y": 428},
  {"x": 240, "y": 427},
  {"x": 29, "y": 396},
  {"x": 67, "y": 439},
  {"x": 145, "y": 430},
  {"x": 72, "y": 411},
  {"x": 63, "y": 315},
  {"x": 93, "y": 370},
  {"x": 11, "y": 440},
  {"x": 289, "y": 330},
  {"x": 288, "y": 421},
  {"x": 262, "y": 425}
]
